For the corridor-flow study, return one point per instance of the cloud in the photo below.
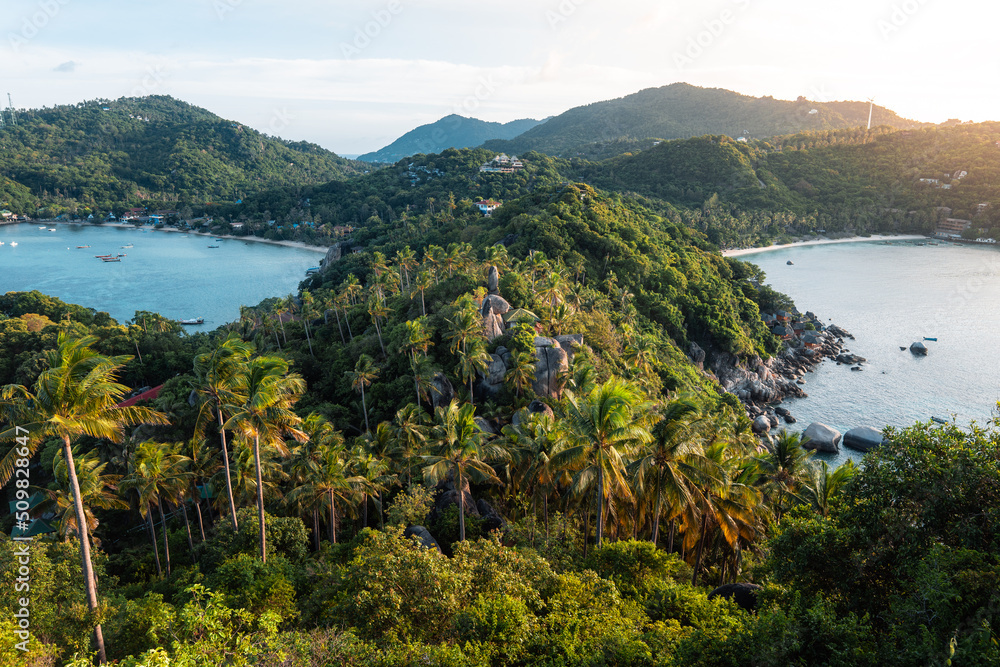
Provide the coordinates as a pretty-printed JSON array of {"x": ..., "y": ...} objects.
[{"x": 68, "y": 66}]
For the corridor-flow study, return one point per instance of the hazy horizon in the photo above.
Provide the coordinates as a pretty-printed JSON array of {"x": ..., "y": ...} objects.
[{"x": 353, "y": 77}]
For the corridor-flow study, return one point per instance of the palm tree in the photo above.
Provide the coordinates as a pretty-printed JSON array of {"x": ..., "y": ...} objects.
[
  {"x": 155, "y": 472},
  {"x": 308, "y": 312},
  {"x": 77, "y": 395},
  {"x": 94, "y": 487},
  {"x": 521, "y": 372},
  {"x": 472, "y": 361},
  {"x": 365, "y": 372},
  {"x": 407, "y": 261},
  {"x": 605, "y": 426},
  {"x": 822, "y": 485},
  {"x": 418, "y": 339},
  {"x": 377, "y": 310},
  {"x": 329, "y": 479},
  {"x": 422, "y": 283},
  {"x": 532, "y": 443},
  {"x": 458, "y": 449},
  {"x": 221, "y": 381},
  {"x": 783, "y": 470},
  {"x": 266, "y": 414},
  {"x": 203, "y": 463},
  {"x": 352, "y": 288},
  {"x": 409, "y": 437},
  {"x": 671, "y": 462}
]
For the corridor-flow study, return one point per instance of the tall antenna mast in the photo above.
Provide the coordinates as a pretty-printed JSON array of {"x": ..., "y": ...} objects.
[
  {"x": 13, "y": 118},
  {"x": 871, "y": 105}
]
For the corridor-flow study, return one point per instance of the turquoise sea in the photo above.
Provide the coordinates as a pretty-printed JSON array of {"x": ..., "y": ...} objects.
[
  {"x": 173, "y": 274},
  {"x": 888, "y": 296}
]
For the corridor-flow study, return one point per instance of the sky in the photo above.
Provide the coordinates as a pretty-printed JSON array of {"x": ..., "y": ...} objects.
[{"x": 353, "y": 76}]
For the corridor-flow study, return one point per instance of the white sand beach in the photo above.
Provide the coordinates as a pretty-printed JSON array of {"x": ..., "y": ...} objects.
[
  {"x": 255, "y": 239},
  {"x": 739, "y": 252}
]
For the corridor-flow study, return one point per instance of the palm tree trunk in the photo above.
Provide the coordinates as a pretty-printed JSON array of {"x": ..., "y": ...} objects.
[
  {"x": 333, "y": 518},
  {"x": 197, "y": 509},
  {"x": 281, "y": 321},
  {"x": 461, "y": 506},
  {"x": 316, "y": 527},
  {"x": 600, "y": 504},
  {"x": 534, "y": 517},
  {"x": 166, "y": 541},
  {"x": 81, "y": 525},
  {"x": 309, "y": 338},
  {"x": 378, "y": 330},
  {"x": 187, "y": 526},
  {"x": 656, "y": 515},
  {"x": 670, "y": 540},
  {"x": 152, "y": 538},
  {"x": 586, "y": 531},
  {"x": 381, "y": 522},
  {"x": 339, "y": 328},
  {"x": 364, "y": 499},
  {"x": 364, "y": 407},
  {"x": 229, "y": 479},
  {"x": 347, "y": 320},
  {"x": 423, "y": 306},
  {"x": 545, "y": 509},
  {"x": 701, "y": 548},
  {"x": 260, "y": 497},
  {"x": 277, "y": 340}
]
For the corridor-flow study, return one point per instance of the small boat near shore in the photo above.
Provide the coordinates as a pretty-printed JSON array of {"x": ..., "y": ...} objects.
[
  {"x": 111, "y": 259},
  {"x": 933, "y": 339},
  {"x": 13, "y": 244},
  {"x": 213, "y": 246},
  {"x": 939, "y": 420},
  {"x": 194, "y": 320},
  {"x": 83, "y": 246},
  {"x": 124, "y": 246}
]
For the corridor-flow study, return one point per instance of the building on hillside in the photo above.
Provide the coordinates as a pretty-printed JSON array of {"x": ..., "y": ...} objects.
[
  {"x": 502, "y": 164},
  {"x": 487, "y": 206},
  {"x": 952, "y": 227}
]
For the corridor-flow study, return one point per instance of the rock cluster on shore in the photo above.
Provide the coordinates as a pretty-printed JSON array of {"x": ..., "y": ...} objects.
[{"x": 759, "y": 384}]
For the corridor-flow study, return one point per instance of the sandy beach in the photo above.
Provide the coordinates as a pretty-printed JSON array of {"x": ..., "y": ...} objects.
[
  {"x": 854, "y": 239},
  {"x": 287, "y": 244}
]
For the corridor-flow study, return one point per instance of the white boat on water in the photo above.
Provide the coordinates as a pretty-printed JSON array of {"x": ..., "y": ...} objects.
[
  {"x": 195, "y": 320},
  {"x": 52, "y": 229},
  {"x": 13, "y": 244},
  {"x": 43, "y": 227}
]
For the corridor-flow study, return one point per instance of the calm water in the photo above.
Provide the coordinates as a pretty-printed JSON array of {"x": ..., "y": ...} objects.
[
  {"x": 889, "y": 296},
  {"x": 178, "y": 276}
]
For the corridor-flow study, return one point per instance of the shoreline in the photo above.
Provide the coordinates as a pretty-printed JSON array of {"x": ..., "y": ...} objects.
[
  {"x": 250, "y": 239},
  {"x": 739, "y": 252}
]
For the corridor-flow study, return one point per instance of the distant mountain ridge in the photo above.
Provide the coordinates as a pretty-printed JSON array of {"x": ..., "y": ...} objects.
[
  {"x": 681, "y": 111},
  {"x": 452, "y": 131},
  {"x": 101, "y": 155}
]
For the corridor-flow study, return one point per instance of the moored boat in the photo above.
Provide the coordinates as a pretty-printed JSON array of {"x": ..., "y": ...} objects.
[
  {"x": 83, "y": 246},
  {"x": 13, "y": 244},
  {"x": 194, "y": 320}
]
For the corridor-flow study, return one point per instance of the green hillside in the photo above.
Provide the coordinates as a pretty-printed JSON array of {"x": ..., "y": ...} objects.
[
  {"x": 680, "y": 111},
  {"x": 106, "y": 155},
  {"x": 452, "y": 131}
]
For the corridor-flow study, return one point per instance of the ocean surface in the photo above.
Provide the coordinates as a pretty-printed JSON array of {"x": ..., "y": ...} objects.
[
  {"x": 888, "y": 296},
  {"x": 173, "y": 274}
]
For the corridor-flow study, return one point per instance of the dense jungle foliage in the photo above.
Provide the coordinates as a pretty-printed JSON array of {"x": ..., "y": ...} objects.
[{"x": 110, "y": 155}]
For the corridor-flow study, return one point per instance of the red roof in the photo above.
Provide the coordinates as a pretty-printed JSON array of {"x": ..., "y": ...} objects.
[{"x": 144, "y": 396}]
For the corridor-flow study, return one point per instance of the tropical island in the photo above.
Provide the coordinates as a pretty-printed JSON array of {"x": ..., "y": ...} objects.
[{"x": 513, "y": 439}]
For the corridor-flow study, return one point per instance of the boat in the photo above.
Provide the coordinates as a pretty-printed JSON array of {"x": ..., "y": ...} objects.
[
  {"x": 13, "y": 244},
  {"x": 933, "y": 339},
  {"x": 1, "y": 242},
  {"x": 52, "y": 229},
  {"x": 196, "y": 320},
  {"x": 213, "y": 246},
  {"x": 83, "y": 246},
  {"x": 111, "y": 259},
  {"x": 103, "y": 256},
  {"x": 939, "y": 420},
  {"x": 790, "y": 263},
  {"x": 124, "y": 246},
  {"x": 121, "y": 254},
  {"x": 43, "y": 227}
]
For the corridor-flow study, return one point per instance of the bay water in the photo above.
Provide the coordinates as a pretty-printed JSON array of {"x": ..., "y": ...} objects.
[
  {"x": 170, "y": 273},
  {"x": 888, "y": 295}
]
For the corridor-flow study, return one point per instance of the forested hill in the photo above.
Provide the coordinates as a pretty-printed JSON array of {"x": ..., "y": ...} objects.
[
  {"x": 106, "y": 155},
  {"x": 452, "y": 131},
  {"x": 681, "y": 110}
]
